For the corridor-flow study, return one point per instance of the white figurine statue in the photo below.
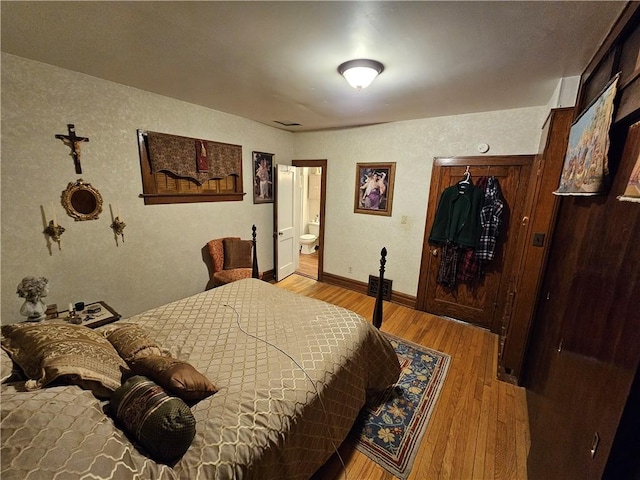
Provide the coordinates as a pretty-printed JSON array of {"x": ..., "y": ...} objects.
[{"x": 32, "y": 289}]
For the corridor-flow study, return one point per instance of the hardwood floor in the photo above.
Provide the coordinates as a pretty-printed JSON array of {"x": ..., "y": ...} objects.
[
  {"x": 308, "y": 265},
  {"x": 479, "y": 429}
]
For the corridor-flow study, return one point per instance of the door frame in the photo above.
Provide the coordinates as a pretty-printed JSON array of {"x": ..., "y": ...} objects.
[
  {"x": 502, "y": 314},
  {"x": 322, "y": 163}
]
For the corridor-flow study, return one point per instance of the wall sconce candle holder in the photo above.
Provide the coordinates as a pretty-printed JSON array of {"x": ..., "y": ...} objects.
[
  {"x": 118, "y": 228},
  {"x": 54, "y": 231}
]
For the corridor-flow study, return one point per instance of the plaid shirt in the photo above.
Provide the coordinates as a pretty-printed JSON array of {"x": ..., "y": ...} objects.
[{"x": 490, "y": 220}]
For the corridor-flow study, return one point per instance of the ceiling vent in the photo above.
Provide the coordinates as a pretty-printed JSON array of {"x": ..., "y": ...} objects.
[{"x": 287, "y": 123}]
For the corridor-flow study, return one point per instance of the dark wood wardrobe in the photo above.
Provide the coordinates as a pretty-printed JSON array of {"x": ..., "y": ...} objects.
[{"x": 581, "y": 366}]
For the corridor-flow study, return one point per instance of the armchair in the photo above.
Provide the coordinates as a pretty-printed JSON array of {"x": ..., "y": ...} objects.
[{"x": 233, "y": 259}]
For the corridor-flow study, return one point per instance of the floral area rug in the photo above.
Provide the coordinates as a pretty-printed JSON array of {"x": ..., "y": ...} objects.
[{"x": 390, "y": 431}]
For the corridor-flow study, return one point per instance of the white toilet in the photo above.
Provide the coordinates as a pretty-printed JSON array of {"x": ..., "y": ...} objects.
[{"x": 310, "y": 240}]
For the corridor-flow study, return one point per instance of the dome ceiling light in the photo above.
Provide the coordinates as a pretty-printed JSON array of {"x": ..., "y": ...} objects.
[{"x": 360, "y": 73}]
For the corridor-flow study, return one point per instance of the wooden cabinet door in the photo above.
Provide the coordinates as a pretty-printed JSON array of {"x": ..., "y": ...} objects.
[
  {"x": 585, "y": 347},
  {"x": 483, "y": 302}
]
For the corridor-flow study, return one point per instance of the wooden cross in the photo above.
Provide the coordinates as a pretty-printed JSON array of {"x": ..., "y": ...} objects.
[{"x": 73, "y": 142}]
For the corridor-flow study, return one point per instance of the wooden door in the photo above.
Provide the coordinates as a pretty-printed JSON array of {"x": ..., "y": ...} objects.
[
  {"x": 585, "y": 346},
  {"x": 483, "y": 302}
]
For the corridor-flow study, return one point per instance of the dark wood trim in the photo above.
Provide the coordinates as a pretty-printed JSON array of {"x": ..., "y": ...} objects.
[
  {"x": 362, "y": 287},
  {"x": 322, "y": 163},
  {"x": 608, "y": 56},
  {"x": 584, "y": 350},
  {"x": 344, "y": 282},
  {"x": 269, "y": 275},
  {"x": 629, "y": 103},
  {"x": 541, "y": 210},
  {"x": 621, "y": 28},
  {"x": 163, "y": 199}
]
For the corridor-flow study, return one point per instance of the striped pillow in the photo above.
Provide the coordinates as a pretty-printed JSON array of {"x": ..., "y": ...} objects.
[{"x": 164, "y": 426}]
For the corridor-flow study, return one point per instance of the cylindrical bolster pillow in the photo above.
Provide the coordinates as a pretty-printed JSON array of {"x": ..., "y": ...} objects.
[{"x": 163, "y": 425}]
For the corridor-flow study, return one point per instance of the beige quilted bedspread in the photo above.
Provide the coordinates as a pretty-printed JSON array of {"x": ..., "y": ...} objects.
[{"x": 281, "y": 408}]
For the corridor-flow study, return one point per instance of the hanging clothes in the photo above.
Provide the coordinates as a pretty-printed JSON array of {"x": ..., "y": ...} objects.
[
  {"x": 457, "y": 216},
  {"x": 490, "y": 221},
  {"x": 456, "y": 227},
  {"x": 470, "y": 268},
  {"x": 467, "y": 225},
  {"x": 448, "y": 268}
]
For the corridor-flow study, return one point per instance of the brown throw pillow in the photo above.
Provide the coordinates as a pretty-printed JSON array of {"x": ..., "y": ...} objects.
[
  {"x": 237, "y": 253},
  {"x": 70, "y": 354},
  {"x": 131, "y": 342},
  {"x": 176, "y": 376}
]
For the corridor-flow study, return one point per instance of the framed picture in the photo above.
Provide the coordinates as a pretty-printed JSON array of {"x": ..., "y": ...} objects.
[
  {"x": 586, "y": 163},
  {"x": 262, "y": 177},
  {"x": 632, "y": 190},
  {"x": 374, "y": 188}
]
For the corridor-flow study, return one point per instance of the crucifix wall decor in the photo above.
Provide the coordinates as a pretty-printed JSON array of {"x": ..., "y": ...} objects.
[{"x": 73, "y": 142}]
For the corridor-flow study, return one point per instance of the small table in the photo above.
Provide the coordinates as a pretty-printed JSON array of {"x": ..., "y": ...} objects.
[{"x": 92, "y": 320}]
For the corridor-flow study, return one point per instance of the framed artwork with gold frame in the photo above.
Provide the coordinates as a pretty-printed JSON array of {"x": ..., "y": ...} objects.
[{"x": 374, "y": 188}]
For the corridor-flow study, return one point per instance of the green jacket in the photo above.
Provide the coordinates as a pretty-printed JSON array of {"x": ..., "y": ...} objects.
[{"x": 458, "y": 217}]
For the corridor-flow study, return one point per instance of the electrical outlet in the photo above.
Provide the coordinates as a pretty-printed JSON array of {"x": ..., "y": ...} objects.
[
  {"x": 350, "y": 269},
  {"x": 403, "y": 219}
]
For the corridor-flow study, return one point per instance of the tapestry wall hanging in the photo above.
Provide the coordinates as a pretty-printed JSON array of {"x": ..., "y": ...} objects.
[
  {"x": 374, "y": 188},
  {"x": 198, "y": 160},
  {"x": 177, "y": 169},
  {"x": 586, "y": 167}
]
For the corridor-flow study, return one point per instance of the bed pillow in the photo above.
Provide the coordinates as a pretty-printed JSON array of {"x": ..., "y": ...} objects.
[
  {"x": 131, "y": 342},
  {"x": 6, "y": 367},
  {"x": 176, "y": 376},
  {"x": 237, "y": 253},
  {"x": 164, "y": 426},
  {"x": 66, "y": 353}
]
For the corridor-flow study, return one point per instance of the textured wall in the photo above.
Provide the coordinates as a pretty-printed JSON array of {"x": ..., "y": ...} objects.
[
  {"x": 161, "y": 258},
  {"x": 355, "y": 240}
]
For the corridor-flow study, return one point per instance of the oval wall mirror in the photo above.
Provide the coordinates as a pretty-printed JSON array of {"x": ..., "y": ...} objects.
[{"x": 82, "y": 201}]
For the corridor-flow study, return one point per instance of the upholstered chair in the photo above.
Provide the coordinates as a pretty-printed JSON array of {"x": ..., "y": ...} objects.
[{"x": 231, "y": 259}]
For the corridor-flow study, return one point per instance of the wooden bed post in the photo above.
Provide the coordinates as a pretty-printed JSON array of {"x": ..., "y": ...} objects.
[
  {"x": 377, "y": 311},
  {"x": 254, "y": 267}
]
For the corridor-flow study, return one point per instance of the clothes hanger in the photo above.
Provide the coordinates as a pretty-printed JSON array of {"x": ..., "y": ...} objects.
[
  {"x": 465, "y": 183},
  {"x": 467, "y": 176}
]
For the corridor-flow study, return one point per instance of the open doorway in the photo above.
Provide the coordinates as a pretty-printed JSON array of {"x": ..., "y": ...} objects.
[{"x": 312, "y": 217}]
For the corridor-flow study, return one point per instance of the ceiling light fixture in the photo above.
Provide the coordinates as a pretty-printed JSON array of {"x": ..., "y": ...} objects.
[{"x": 360, "y": 73}]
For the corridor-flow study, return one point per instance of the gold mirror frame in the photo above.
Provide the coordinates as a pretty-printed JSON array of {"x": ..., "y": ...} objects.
[{"x": 82, "y": 201}]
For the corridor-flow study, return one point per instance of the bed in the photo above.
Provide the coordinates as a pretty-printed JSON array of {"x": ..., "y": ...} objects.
[{"x": 291, "y": 372}]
